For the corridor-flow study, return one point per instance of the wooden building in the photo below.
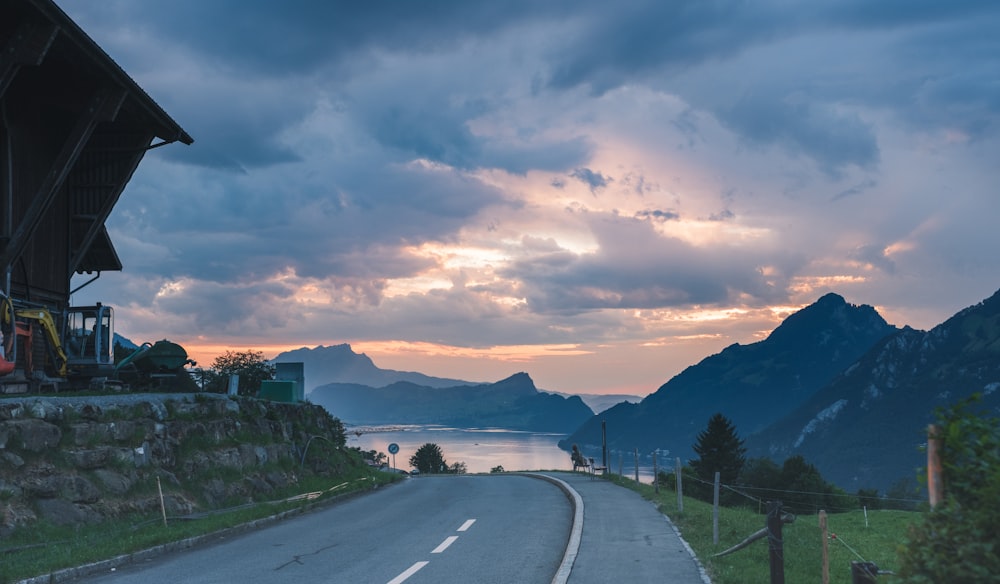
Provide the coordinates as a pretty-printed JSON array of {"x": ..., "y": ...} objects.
[{"x": 73, "y": 128}]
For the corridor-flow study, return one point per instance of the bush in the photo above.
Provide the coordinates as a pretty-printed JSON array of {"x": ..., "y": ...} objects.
[{"x": 957, "y": 542}]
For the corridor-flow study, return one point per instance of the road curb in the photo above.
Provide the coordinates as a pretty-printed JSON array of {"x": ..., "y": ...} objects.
[
  {"x": 576, "y": 532},
  {"x": 102, "y": 566}
]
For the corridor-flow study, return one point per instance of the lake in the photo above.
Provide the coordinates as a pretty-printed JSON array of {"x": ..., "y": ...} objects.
[{"x": 482, "y": 449}]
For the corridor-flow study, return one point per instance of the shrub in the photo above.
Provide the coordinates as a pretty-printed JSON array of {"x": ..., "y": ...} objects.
[{"x": 957, "y": 542}]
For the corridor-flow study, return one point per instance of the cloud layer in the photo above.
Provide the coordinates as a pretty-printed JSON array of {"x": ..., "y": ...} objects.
[{"x": 599, "y": 194}]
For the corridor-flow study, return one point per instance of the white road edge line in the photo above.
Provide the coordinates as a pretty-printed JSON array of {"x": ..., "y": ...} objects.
[
  {"x": 444, "y": 544},
  {"x": 467, "y": 525},
  {"x": 576, "y": 531},
  {"x": 409, "y": 572}
]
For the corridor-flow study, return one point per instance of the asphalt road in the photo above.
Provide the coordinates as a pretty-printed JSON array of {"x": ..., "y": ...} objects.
[{"x": 451, "y": 529}]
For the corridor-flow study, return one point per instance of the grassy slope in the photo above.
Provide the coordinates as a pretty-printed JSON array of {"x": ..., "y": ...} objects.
[
  {"x": 877, "y": 542},
  {"x": 45, "y": 548}
]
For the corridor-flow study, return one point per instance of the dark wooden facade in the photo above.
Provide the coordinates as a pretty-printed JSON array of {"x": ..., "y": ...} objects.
[{"x": 73, "y": 128}]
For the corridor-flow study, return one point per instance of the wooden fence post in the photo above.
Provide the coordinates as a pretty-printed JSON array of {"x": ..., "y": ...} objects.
[
  {"x": 935, "y": 480},
  {"x": 656, "y": 476},
  {"x": 680, "y": 485},
  {"x": 826, "y": 547},
  {"x": 775, "y": 545},
  {"x": 715, "y": 511}
]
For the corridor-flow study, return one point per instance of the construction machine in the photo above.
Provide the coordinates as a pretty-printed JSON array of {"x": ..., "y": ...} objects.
[{"x": 79, "y": 350}]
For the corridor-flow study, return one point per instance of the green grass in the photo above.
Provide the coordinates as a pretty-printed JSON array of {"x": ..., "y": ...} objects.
[
  {"x": 877, "y": 542},
  {"x": 46, "y": 548}
]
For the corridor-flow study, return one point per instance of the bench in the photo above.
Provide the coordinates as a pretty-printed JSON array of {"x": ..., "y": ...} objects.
[{"x": 594, "y": 469}]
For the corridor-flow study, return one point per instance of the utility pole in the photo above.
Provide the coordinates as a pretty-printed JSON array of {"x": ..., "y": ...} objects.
[{"x": 604, "y": 443}]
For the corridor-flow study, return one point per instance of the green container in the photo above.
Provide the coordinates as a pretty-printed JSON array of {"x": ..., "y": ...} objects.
[
  {"x": 279, "y": 391},
  {"x": 162, "y": 356}
]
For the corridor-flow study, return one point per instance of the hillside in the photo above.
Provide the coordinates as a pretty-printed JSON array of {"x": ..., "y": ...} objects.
[
  {"x": 754, "y": 385},
  {"x": 865, "y": 429},
  {"x": 513, "y": 403}
]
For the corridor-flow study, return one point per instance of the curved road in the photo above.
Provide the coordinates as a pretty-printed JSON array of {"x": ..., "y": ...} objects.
[{"x": 449, "y": 529}]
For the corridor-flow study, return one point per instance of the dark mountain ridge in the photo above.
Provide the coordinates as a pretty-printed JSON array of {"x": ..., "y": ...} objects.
[
  {"x": 339, "y": 363},
  {"x": 513, "y": 403},
  {"x": 754, "y": 385},
  {"x": 865, "y": 428}
]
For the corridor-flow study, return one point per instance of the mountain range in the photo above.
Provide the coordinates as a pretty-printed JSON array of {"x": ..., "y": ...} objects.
[
  {"x": 513, "y": 403},
  {"x": 834, "y": 383},
  {"x": 340, "y": 364},
  {"x": 865, "y": 428},
  {"x": 753, "y": 385}
]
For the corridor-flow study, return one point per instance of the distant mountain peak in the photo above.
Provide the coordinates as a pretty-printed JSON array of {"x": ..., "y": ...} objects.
[
  {"x": 830, "y": 317},
  {"x": 339, "y": 363},
  {"x": 517, "y": 383},
  {"x": 754, "y": 385}
]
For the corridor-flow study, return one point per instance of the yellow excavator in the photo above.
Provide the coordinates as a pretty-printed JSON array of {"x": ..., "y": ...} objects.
[{"x": 81, "y": 350}]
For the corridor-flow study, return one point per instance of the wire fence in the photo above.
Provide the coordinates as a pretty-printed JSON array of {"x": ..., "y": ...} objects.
[{"x": 832, "y": 500}]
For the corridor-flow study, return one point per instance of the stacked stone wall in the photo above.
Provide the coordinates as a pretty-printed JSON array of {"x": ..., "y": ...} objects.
[{"x": 85, "y": 459}]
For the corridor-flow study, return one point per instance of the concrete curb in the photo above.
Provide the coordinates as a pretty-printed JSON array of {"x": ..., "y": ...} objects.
[
  {"x": 690, "y": 551},
  {"x": 576, "y": 532},
  {"x": 103, "y": 566}
]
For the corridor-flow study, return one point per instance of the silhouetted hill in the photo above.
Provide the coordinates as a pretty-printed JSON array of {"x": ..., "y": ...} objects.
[
  {"x": 340, "y": 364},
  {"x": 753, "y": 385},
  {"x": 513, "y": 403},
  {"x": 866, "y": 427},
  {"x": 603, "y": 401}
]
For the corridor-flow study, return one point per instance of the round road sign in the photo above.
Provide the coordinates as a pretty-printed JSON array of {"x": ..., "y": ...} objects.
[{"x": 393, "y": 448}]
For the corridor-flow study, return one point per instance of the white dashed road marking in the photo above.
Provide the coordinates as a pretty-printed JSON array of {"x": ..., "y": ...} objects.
[
  {"x": 439, "y": 549},
  {"x": 409, "y": 572},
  {"x": 444, "y": 544}
]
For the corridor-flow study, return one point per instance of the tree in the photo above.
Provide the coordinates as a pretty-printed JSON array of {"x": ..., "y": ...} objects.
[
  {"x": 577, "y": 457},
  {"x": 249, "y": 365},
  {"x": 429, "y": 459},
  {"x": 806, "y": 489},
  {"x": 719, "y": 449},
  {"x": 458, "y": 468}
]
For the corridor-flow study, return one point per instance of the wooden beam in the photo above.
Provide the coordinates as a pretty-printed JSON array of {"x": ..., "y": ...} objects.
[
  {"x": 131, "y": 157},
  {"x": 28, "y": 46},
  {"x": 102, "y": 107}
]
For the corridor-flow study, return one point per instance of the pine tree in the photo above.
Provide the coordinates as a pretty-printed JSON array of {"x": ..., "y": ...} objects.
[{"x": 720, "y": 450}]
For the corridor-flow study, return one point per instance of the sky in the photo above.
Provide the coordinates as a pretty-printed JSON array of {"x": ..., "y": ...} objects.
[{"x": 598, "y": 194}]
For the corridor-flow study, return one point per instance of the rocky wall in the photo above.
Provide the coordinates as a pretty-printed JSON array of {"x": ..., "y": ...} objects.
[{"x": 73, "y": 460}]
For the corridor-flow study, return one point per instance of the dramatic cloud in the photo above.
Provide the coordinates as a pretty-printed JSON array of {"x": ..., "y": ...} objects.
[{"x": 597, "y": 193}]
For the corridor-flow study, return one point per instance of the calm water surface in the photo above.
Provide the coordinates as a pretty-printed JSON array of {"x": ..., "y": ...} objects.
[{"x": 481, "y": 449}]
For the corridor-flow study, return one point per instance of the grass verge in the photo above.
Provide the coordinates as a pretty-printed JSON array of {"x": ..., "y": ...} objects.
[
  {"x": 875, "y": 539},
  {"x": 45, "y": 548}
]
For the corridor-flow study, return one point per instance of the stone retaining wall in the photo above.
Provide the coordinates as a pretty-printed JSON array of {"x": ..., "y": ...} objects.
[{"x": 84, "y": 459}]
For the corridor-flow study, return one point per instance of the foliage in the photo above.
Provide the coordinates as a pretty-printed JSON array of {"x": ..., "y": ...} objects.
[
  {"x": 577, "y": 457},
  {"x": 869, "y": 499},
  {"x": 797, "y": 483},
  {"x": 429, "y": 459},
  {"x": 458, "y": 468},
  {"x": 249, "y": 365},
  {"x": 958, "y": 541},
  {"x": 719, "y": 449},
  {"x": 373, "y": 456},
  {"x": 496, "y": 469}
]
